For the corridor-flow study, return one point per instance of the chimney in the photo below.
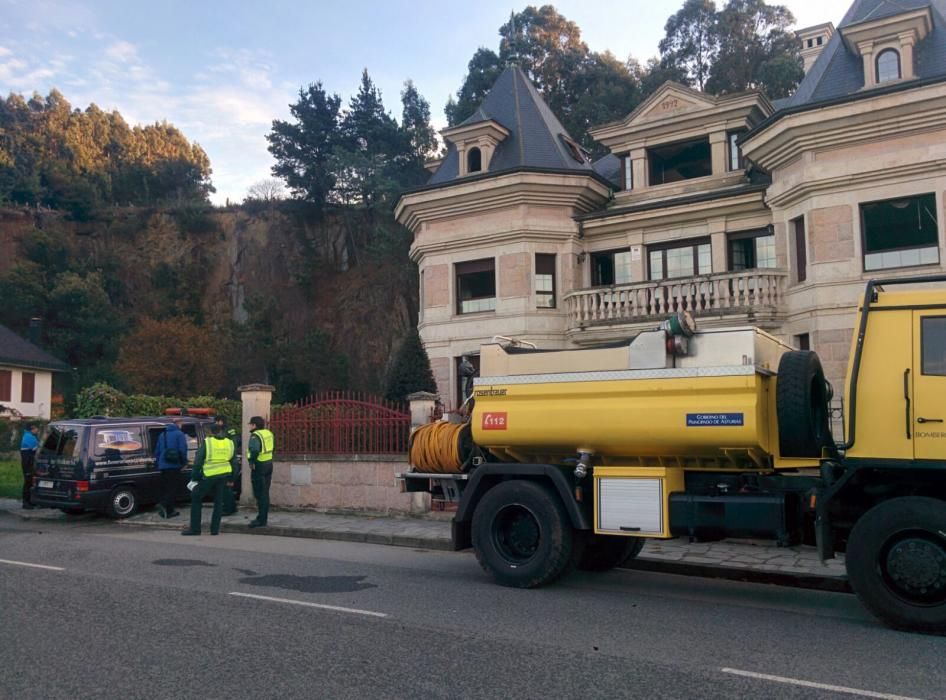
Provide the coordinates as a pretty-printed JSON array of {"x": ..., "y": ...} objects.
[
  {"x": 36, "y": 331},
  {"x": 813, "y": 40}
]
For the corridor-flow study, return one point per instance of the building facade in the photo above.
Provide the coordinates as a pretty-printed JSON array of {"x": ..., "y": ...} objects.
[
  {"x": 26, "y": 377},
  {"x": 740, "y": 209}
]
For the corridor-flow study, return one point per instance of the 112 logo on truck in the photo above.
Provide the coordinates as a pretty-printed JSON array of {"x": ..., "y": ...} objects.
[{"x": 494, "y": 421}]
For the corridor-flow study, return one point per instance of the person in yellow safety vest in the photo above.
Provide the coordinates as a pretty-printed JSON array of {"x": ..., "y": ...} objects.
[
  {"x": 211, "y": 472},
  {"x": 260, "y": 456}
]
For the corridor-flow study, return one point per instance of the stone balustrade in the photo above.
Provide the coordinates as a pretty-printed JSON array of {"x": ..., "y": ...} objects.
[{"x": 752, "y": 292}]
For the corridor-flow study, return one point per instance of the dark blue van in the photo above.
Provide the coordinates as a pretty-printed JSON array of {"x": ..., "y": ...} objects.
[{"x": 107, "y": 464}]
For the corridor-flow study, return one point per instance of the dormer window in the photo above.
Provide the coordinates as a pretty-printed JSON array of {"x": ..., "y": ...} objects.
[
  {"x": 474, "y": 160},
  {"x": 888, "y": 65}
]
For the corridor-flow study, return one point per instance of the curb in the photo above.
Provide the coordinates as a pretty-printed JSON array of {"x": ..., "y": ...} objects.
[
  {"x": 831, "y": 584},
  {"x": 395, "y": 540}
]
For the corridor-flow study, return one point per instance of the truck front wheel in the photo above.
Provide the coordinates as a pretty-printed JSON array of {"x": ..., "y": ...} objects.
[
  {"x": 522, "y": 534},
  {"x": 896, "y": 562}
]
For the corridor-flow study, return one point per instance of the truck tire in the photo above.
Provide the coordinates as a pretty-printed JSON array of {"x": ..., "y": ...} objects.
[
  {"x": 896, "y": 563},
  {"x": 604, "y": 552},
  {"x": 522, "y": 534},
  {"x": 122, "y": 502},
  {"x": 801, "y": 403}
]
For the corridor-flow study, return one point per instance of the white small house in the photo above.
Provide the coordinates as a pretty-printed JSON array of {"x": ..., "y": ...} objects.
[{"x": 26, "y": 377}]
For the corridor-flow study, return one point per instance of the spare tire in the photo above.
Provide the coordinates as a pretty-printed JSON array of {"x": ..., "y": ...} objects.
[{"x": 801, "y": 403}]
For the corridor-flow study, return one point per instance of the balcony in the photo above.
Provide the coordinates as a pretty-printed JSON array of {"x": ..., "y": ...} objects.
[{"x": 749, "y": 296}]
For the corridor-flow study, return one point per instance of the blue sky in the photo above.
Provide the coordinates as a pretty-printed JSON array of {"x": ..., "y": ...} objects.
[{"x": 222, "y": 71}]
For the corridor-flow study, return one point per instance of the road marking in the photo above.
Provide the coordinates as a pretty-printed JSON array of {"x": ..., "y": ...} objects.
[
  {"x": 35, "y": 566},
  {"x": 820, "y": 686},
  {"x": 336, "y": 608}
]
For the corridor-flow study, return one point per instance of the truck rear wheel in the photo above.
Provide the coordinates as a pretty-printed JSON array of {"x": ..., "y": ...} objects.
[
  {"x": 801, "y": 405},
  {"x": 522, "y": 534},
  {"x": 896, "y": 562},
  {"x": 604, "y": 552}
]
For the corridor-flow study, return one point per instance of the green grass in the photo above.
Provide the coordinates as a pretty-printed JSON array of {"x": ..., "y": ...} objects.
[{"x": 11, "y": 479}]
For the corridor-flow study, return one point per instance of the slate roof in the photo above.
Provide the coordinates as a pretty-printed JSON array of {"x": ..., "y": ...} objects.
[
  {"x": 18, "y": 352},
  {"x": 536, "y": 137},
  {"x": 838, "y": 73},
  {"x": 609, "y": 167}
]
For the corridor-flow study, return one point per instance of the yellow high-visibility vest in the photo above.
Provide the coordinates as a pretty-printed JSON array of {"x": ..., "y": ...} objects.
[
  {"x": 266, "y": 445},
  {"x": 217, "y": 455}
]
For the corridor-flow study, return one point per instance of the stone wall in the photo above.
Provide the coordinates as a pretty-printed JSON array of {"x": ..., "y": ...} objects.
[{"x": 360, "y": 484}]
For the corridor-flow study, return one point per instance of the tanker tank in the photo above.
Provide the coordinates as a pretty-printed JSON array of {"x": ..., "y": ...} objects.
[{"x": 671, "y": 397}]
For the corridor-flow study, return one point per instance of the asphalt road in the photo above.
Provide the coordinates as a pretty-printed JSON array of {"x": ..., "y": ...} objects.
[{"x": 148, "y": 614}]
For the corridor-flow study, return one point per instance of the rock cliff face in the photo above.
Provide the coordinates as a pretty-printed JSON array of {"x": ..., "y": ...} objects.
[{"x": 329, "y": 276}]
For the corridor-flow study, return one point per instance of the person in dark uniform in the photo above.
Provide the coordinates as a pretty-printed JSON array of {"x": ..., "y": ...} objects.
[
  {"x": 211, "y": 472},
  {"x": 231, "y": 496},
  {"x": 260, "y": 455},
  {"x": 29, "y": 443}
]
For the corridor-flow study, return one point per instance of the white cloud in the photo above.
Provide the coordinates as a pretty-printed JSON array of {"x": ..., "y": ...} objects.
[
  {"x": 4, "y": 51},
  {"x": 122, "y": 51}
]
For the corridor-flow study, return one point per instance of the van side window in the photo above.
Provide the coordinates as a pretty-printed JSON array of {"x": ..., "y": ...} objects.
[
  {"x": 61, "y": 441},
  {"x": 933, "y": 339},
  {"x": 115, "y": 443}
]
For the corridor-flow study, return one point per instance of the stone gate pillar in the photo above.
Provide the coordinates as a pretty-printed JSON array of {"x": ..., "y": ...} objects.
[{"x": 257, "y": 401}]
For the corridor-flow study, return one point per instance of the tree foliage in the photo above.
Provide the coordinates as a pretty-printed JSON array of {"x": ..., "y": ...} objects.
[
  {"x": 745, "y": 45},
  {"x": 356, "y": 157},
  {"x": 173, "y": 356},
  {"x": 411, "y": 370},
  {"x": 691, "y": 40},
  {"x": 64, "y": 158},
  {"x": 582, "y": 87}
]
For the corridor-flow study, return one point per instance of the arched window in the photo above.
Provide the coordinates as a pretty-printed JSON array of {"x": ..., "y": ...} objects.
[
  {"x": 888, "y": 65},
  {"x": 474, "y": 160}
]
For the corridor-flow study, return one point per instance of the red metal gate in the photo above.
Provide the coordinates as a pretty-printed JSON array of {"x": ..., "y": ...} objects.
[{"x": 342, "y": 423}]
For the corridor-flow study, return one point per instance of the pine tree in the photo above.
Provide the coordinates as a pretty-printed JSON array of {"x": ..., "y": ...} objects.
[{"x": 411, "y": 370}]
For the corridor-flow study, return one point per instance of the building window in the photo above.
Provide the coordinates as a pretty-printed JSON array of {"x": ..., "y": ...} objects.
[
  {"x": 803, "y": 341},
  {"x": 611, "y": 267},
  {"x": 28, "y": 387},
  {"x": 900, "y": 232},
  {"x": 933, "y": 345},
  {"x": 675, "y": 260},
  {"x": 735, "y": 153},
  {"x": 888, "y": 65},
  {"x": 476, "y": 286},
  {"x": 820, "y": 39},
  {"x": 6, "y": 384},
  {"x": 628, "y": 173},
  {"x": 680, "y": 161},
  {"x": 811, "y": 42},
  {"x": 544, "y": 281},
  {"x": 467, "y": 368},
  {"x": 749, "y": 250},
  {"x": 474, "y": 160},
  {"x": 801, "y": 253}
]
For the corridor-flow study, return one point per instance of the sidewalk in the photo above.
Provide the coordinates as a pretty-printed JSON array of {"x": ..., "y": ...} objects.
[{"x": 760, "y": 562}]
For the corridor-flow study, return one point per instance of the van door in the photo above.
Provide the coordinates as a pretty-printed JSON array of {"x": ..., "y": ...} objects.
[{"x": 929, "y": 385}]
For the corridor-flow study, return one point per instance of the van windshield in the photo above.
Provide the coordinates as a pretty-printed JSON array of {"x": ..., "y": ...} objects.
[{"x": 62, "y": 441}]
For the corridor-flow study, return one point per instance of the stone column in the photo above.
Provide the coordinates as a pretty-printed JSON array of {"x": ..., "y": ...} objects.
[
  {"x": 257, "y": 401},
  {"x": 718, "y": 148},
  {"x": 867, "y": 55},
  {"x": 639, "y": 168},
  {"x": 422, "y": 405}
]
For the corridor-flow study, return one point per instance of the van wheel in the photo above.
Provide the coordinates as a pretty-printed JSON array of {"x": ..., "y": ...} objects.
[
  {"x": 896, "y": 562},
  {"x": 122, "y": 502},
  {"x": 604, "y": 552},
  {"x": 522, "y": 534},
  {"x": 801, "y": 404}
]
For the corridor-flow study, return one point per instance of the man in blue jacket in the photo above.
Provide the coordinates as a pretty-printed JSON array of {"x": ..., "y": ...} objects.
[
  {"x": 28, "y": 445},
  {"x": 171, "y": 455}
]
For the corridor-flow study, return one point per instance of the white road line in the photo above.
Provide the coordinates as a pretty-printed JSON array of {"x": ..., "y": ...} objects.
[
  {"x": 820, "y": 686},
  {"x": 34, "y": 566},
  {"x": 336, "y": 608}
]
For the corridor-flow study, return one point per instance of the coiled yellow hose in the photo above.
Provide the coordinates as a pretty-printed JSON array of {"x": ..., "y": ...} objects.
[{"x": 438, "y": 448}]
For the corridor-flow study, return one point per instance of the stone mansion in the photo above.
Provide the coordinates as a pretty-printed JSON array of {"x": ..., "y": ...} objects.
[{"x": 743, "y": 209}]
